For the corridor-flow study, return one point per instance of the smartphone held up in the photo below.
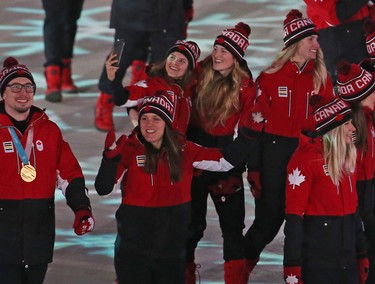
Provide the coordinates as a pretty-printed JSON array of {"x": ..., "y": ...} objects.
[{"x": 118, "y": 48}]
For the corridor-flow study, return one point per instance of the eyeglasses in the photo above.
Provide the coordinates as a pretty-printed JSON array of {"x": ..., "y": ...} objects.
[{"x": 16, "y": 87}]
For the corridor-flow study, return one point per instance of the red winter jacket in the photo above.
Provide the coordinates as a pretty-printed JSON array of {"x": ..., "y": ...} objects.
[
  {"x": 157, "y": 189},
  {"x": 27, "y": 215},
  {"x": 310, "y": 190},
  {"x": 282, "y": 106},
  {"x": 154, "y": 215},
  {"x": 366, "y": 160},
  {"x": 322, "y": 229},
  {"x": 180, "y": 97}
]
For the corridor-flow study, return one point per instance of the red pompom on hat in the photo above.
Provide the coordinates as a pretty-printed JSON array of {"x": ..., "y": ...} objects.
[
  {"x": 369, "y": 28},
  {"x": 353, "y": 82},
  {"x": 296, "y": 27},
  {"x": 160, "y": 104},
  {"x": 329, "y": 113},
  {"x": 12, "y": 69},
  {"x": 235, "y": 40},
  {"x": 188, "y": 48}
]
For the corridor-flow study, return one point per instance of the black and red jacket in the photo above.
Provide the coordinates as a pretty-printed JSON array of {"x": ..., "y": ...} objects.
[
  {"x": 323, "y": 228},
  {"x": 155, "y": 212},
  {"x": 27, "y": 215}
]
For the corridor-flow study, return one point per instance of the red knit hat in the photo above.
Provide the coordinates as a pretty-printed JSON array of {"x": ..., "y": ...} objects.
[
  {"x": 329, "y": 113},
  {"x": 160, "y": 104},
  {"x": 370, "y": 37},
  {"x": 188, "y": 48},
  {"x": 353, "y": 82},
  {"x": 235, "y": 40},
  {"x": 12, "y": 69},
  {"x": 297, "y": 28}
]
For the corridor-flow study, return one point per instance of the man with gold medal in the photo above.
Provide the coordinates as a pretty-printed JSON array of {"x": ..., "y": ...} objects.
[{"x": 35, "y": 159}]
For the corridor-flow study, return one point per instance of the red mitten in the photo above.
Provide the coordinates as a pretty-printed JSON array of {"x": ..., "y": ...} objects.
[
  {"x": 292, "y": 275},
  {"x": 189, "y": 14},
  {"x": 253, "y": 179},
  {"x": 363, "y": 269},
  {"x": 83, "y": 222},
  {"x": 113, "y": 148},
  {"x": 226, "y": 187}
]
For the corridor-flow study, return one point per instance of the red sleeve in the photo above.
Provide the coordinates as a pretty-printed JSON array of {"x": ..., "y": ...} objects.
[
  {"x": 322, "y": 13},
  {"x": 298, "y": 185},
  {"x": 137, "y": 92}
]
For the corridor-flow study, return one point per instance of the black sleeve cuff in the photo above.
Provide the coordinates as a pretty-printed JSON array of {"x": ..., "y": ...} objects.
[
  {"x": 120, "y": 94},
  {"x": 76, "y": 194},
  {"x": 293, "y": 231},
  {"x": 105, "y": 179}
]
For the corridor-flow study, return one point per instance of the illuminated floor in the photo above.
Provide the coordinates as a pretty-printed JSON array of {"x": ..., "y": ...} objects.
[{"x": 88, "y": 259}]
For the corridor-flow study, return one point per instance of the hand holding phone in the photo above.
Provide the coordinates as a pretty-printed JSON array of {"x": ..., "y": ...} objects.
[{"x": 118, "y": 48}]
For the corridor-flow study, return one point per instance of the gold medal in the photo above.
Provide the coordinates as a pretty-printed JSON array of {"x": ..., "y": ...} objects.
[{"x": 28, "y": 173}]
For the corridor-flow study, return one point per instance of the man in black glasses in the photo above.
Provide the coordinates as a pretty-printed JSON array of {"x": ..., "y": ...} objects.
[{"x": 34, "y": 160}]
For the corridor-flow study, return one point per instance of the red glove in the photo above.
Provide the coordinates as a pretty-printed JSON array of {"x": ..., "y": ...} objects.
[
  {"x": 83, "y": 222},
  {"x": 113, "y": 149},
  {"x": 253, "y": 179},
  {"x": 363, "y": 269},
  {"x": 226, "y": 187},
  {"x": 189, "y": 14},
  {"x": 292, "y": 275}
]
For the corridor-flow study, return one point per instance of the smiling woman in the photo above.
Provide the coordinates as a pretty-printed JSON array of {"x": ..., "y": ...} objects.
[
  {"x": 297, "y": 73},
  {"x": 154, "y": 166},
  {"x": 174, "y": 75}
]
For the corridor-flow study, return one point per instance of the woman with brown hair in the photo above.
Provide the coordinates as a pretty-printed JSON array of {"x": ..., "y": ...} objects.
[{"x": 154, "y": 167}]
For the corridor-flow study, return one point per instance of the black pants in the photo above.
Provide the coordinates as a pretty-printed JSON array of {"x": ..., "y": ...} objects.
[
  {"x": 344, "y": 42},
  {"x": 136, "y": 43},
  {"x": 270, "y": 208},
  {"x": 348, "y": 275},
  {"x": 19, "y": 274},
  {"x": 231, "y": 214},
  {"x": 60, "y": 28},
  {"x": 132, "y": 267},
  {"x": 366, "y": 201}
]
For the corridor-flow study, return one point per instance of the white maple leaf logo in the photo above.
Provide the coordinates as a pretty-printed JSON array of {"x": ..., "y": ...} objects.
[
  {"x": 296, "y": 178},
  {"x": 257, "y": 117},
  {"x": 291, "y": 279},
  {"x": 142, "y": 83}
]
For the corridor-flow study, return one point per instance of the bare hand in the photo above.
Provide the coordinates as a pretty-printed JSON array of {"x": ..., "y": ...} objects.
[{"x": 109, "y": 66}]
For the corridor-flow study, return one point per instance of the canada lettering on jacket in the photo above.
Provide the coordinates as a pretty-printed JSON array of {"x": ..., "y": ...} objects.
[
  {"x": 239, "y": 40},
  {"x": 360, "y": 83},
  {"x": 293, "y": 26},
  {"x": 330, "y": 111}
]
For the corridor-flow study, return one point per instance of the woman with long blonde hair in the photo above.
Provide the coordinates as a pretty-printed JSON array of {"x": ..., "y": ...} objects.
[
  {"x": 356, "y": 86},
  {"x": 324, "y": 240},
  {"x": 280, "y": 114},
  {"x": 223, "y": 101}
]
